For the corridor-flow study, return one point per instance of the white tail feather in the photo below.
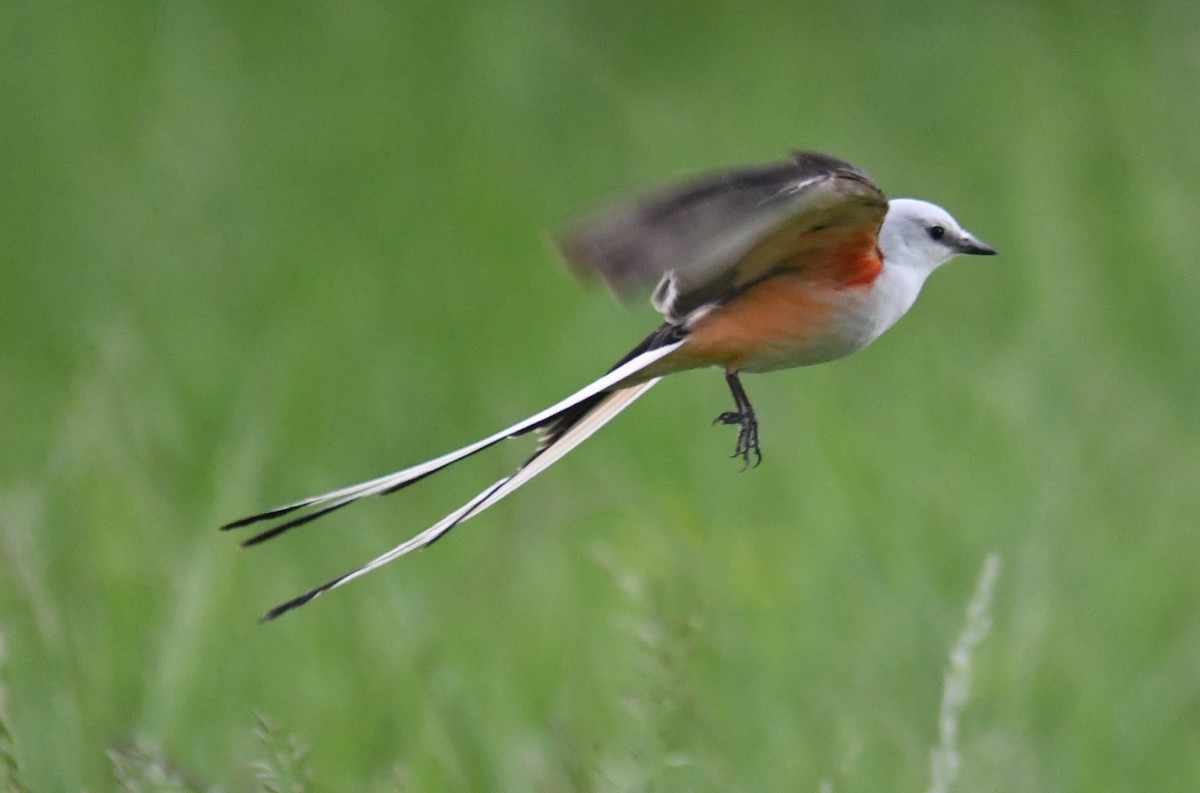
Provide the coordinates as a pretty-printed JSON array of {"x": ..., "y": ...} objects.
[
  {"x": 384, "y": 484},
  {"x": 602, "y": 413}
]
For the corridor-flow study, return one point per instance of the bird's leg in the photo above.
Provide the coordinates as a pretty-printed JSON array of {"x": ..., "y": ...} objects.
[{"x": 743, "y": 416}]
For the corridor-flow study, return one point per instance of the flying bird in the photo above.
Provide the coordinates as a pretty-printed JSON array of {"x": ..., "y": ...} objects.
[{"x": 753, "y": 269}]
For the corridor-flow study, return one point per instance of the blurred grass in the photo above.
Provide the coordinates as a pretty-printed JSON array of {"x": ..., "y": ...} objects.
[{"x": 253, "y": 252}]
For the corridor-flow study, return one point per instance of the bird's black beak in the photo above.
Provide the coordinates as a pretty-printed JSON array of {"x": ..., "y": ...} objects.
[{"x": 974, "y": 247}]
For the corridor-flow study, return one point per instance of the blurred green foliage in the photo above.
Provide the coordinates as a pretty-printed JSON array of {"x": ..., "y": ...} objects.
[{"x": 252, "y": 251}]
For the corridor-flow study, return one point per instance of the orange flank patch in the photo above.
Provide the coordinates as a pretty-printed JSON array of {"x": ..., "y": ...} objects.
[
  {"x": 776, "y": 315},
  {"x": 864, "y": 270},
  {"x": 801, "y": 300},
  {"x": 793, "y": 317}
]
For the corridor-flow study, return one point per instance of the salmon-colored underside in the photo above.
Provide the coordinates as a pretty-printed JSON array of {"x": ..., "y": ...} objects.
[
  {"x": 783, "y": 312},
  {"x": 790, "y": 308}
]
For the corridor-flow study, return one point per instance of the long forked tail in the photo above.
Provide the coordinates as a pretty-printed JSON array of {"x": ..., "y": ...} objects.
[{"x": 564, "y": 426}]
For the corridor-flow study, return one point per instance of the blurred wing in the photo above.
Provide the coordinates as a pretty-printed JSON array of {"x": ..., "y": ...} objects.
[{"x": 699, "y": 240}]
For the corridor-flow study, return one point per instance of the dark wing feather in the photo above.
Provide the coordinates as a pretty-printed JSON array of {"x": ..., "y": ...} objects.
[{"x": 699, "y": 239}]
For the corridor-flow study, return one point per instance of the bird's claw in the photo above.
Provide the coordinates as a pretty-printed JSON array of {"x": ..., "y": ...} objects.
[{"x": 747, "y": 439}]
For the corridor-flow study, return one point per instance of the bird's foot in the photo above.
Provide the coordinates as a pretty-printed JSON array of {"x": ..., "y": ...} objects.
[{"x": 747, "y": 440}]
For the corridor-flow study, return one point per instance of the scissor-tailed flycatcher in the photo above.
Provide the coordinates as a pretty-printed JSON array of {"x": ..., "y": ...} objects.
[{"x": 756, "y": 269}]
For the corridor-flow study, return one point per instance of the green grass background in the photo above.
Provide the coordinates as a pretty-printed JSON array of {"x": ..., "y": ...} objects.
[{"x": 253, "y": 251}]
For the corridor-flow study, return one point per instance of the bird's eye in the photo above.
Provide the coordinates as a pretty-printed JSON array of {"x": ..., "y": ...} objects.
[{"x": 936, "y": 232}]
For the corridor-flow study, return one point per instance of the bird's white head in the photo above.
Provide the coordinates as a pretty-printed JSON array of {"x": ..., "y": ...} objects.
[{"x": 924, "y": 236}]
